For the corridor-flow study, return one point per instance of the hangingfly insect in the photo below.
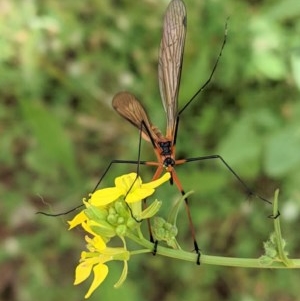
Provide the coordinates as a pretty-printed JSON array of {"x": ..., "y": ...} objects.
[{"x": 169, "y": 74}]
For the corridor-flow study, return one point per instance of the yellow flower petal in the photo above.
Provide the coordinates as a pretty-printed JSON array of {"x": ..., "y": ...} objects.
[
  {"x": 139, "y": 194},
  {"x": 99, "y": 243},
  {"x": 86, "y": 226},
  {"x": 157, "y": 182},
  {"x": 77, "y": 220},
  {"x": 105, "y": 196},
  {"x": 100, "y": 273},
  {"x": 83, "y": 271},
  {"x": 145, "y": 190},
  {"x": 128, "y": 181}
]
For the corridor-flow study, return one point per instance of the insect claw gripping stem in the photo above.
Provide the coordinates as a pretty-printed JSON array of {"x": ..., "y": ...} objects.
[
  {"x": 198, "y": 253},
  {"x": 272, "y": 216},
  {"x": 155, "y": 243}
]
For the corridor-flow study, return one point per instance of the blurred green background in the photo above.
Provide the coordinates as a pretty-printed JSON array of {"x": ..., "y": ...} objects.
[{"x": 61, "y": 62}]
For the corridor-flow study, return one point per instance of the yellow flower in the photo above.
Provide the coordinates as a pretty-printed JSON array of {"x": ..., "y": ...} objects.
[
  {"x": 130, "y": 186},
  {"x": 95, "y": 261},
  {"x": 112, "y": 212},
  {"x": 77, "y": 220}
]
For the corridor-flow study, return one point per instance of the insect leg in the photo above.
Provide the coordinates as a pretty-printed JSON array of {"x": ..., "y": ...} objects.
[
  {"x": 249, "y": 191},
  {"x": 188, "y": 211}
]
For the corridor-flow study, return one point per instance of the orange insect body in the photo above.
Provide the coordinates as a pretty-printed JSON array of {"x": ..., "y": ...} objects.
[
  {"x": 169, "y": 73},
  {"x": 131, "y": 109}
]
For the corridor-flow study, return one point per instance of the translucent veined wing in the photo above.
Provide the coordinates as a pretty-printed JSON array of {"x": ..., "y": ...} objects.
[
  {"x": 127, "y": 105},
  {"x": 170, "y": 60}
]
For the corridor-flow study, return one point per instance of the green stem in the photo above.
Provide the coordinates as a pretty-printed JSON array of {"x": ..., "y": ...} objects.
[
  {"x": 285, "y": 262},
  {"x": 216, "y": 260},
  {"x": 279, "y": 240}
]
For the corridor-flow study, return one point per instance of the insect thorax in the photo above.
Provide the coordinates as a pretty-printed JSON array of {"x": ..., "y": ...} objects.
[
  {"x": 169, "y": 161},
  {"x": 166, "y": 151},
  {"x": 165, "y": 147}
]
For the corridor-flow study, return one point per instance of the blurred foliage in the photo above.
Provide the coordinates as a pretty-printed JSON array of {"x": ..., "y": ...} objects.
[{"x": 61, "y": 62}]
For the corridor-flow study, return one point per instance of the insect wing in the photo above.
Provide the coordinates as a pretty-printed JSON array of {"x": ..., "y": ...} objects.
[
  {"x": 170, "y": 60},
  {"x": 127, "y": 105}
]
